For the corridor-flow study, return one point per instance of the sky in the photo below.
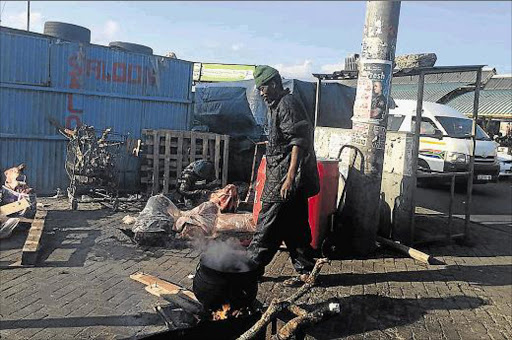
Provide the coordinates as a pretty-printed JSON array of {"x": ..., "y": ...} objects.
[{"x": 296, "y": 37}]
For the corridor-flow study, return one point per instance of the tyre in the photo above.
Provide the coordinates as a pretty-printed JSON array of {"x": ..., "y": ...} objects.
[
  {"x": 129, "y": 47},
  {"x": 423, "y": 165},
  {"x": 68, "y": 32}
]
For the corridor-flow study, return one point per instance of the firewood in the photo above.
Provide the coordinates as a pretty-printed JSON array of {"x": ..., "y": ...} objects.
[
  {"x": 278, "y": 305},
  {"x": 297, "y": 310},
  {"x": 414, "y": 253},
  {"x": 290, "y": 328},
  {"x": 169, "y": 286},
  {"x": 14, "y": 207}
]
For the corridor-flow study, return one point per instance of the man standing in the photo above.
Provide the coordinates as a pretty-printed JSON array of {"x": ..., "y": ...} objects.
[{"x": 291, "y": 178}]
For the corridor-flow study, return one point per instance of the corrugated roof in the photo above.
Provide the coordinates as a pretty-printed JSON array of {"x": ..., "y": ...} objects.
[
  {"x": 432, "y": 92},
  {"x": 460, "y": 77},
  {"x": 494, "y": 103},
  {"x": 499, "y": 83}
]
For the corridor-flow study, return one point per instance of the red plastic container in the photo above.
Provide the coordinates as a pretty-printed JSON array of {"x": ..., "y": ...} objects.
[{"x": 320, "y": 206}]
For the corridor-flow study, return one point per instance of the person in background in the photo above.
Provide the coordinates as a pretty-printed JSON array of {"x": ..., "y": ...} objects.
[
  {"x": 291, "y": 178},
  {"x": 196, "y": 183}
]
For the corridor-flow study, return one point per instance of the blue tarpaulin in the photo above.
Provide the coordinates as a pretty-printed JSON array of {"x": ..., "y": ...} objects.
[{"x": 236, "y": 108}]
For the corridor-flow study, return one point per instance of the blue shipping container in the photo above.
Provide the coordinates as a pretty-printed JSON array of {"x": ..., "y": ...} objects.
[{"x": 42, "y": 77}]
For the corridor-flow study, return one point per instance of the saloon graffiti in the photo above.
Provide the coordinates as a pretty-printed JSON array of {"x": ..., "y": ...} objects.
[{"x": 101, "y": 70}]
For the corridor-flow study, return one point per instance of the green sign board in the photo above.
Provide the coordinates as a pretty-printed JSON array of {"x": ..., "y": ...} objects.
[{"x": 222, "y": 72}]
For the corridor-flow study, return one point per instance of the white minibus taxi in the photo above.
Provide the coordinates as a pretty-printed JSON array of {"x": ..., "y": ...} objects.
[{"x": 445, "y": 140}]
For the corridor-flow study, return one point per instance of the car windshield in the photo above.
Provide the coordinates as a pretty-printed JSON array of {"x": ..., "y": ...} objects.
[
  {"x": 394, "y": 122},
  {"x": 461, "y": 128}
]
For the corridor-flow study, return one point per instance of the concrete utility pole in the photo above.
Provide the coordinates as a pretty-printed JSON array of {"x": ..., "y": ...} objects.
[{"x": 360, "y": 216}]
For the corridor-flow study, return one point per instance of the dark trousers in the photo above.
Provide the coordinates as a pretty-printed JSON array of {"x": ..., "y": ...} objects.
[{"x": 288, "y": 222}]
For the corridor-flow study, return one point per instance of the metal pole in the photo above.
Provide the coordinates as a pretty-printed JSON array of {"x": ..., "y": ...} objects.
[
  {"x": 415, "y": 150},
  {"x": 28, "y": 15},
  {"x": 361, "y": 211},
  {"x": 469, "y": 190},
  {"x": 318, "y": 96}
]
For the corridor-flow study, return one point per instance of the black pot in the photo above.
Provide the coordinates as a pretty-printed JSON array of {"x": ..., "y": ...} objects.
[
  {"x": 224, "y": 329},
  {"x": 213, "y": 288}
]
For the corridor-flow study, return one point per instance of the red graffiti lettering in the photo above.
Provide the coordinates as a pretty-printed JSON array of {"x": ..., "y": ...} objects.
[
  {"x": 119, "y": 72},
  {"x": 138, "y": 69},
  {"x": 94, "y": 66},
  {"x": 119, "y": 78},
  {"x": 73, "y": 118},
  {"x": 70, "y": 105},
  {"x": 75, "y": 73},
  {"x": 76, "y": 68}
]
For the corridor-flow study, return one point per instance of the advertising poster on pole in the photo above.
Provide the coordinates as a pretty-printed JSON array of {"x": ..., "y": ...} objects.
[
  {"x": 360, "y": 133},
  {"x": 373, "y": 87},
  {"x": 379, "y": 137}
]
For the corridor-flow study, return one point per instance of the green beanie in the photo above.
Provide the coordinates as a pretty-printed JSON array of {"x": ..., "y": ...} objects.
[{"x": 263, "y": 73}]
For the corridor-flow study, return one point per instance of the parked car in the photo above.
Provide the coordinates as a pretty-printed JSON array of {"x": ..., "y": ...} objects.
[{"x": 445, "y": 140}]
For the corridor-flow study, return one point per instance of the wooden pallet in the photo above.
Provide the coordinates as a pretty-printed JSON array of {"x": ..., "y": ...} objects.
[{"x": 167, "y": 152}]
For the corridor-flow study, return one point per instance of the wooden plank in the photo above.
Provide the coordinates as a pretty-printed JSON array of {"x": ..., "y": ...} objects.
[
  {"x": 177, "y": 133},
  {"x": 179, "y": 165},
  {"x": 152, "y": 157},
  {"x": 205, "y": 148},
  {"x": 147, "y": 180},
  {"x": 155, "y": 164},
  {"x": 151, "y": 280},
  {"x": 149, "y": 168},
  {"x": 225, "y": 161},
  {"x": 217, "y": 157},
  {"x": 33, "y": 242},
  {"x": 149, "y": 142},
  {"x": 192, "y": 155},
  {"x": 211, "y": 147},
  {"x": 176, "y": 297},
  {"x": 14, "y": 207},
  {"x": 185, "y": 152},
  {"x": 167, "y": 159}
]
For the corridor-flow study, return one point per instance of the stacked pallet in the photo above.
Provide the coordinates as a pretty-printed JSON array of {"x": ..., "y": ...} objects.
[{"x": 167, "y": 152}]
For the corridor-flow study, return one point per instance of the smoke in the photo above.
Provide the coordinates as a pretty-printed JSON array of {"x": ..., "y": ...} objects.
[{"x": 225, "y": 256}]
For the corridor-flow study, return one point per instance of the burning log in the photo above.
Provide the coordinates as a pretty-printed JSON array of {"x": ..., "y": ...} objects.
[
  {"x": 278, "y": 305},
  {"x": 221, "y": 314}
]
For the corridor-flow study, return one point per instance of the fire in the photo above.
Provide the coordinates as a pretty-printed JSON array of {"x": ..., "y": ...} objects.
[{"x": 221, "y": 314}]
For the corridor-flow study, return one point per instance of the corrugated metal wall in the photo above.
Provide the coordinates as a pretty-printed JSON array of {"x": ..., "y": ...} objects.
[{"x": 42, "y": 77}]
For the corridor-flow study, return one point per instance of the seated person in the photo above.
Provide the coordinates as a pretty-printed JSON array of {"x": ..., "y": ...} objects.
[{"x": 196, "y": 183}]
